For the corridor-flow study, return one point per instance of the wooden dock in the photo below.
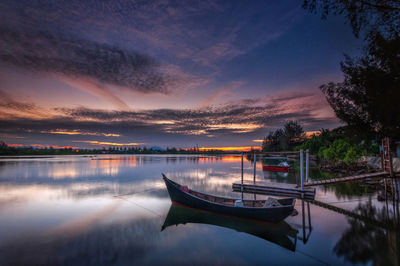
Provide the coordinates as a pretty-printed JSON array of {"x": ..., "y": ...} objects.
[
  {"x": 262, "y": 189},
  {"x": 301, "y": 190},
  {"x": 346, "y": 179}
]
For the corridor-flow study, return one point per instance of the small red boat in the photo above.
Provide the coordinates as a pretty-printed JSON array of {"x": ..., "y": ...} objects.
[{"x": 275, "y": 164}]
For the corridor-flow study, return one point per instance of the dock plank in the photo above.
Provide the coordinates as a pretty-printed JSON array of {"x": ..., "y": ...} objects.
[
  {"x": 345, "y": 179},
  {"x": 277, "y": 191}
]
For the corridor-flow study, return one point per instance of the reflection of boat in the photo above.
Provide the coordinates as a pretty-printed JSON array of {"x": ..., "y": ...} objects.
[
  {"x": 273, "y": 210},
  {"x": 275, "y": 164},
  {"x": 280, "y": 233},
  {"x": 275, "y": 175}
]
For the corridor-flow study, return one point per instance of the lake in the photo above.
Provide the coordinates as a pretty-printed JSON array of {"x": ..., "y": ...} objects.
[{"x": 115, "y": 210}]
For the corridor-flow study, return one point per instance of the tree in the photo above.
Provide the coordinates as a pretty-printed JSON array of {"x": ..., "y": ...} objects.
[
  {"x": 293, "y": 130},
  {"x": 367, "y": 99},
  {"x": 282, "y": 139},
  {"x": 3, "y": 145},
  {"x": 368, "y": 15}
]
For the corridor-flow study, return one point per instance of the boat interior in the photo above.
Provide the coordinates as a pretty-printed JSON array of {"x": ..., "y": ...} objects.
[{"x": 270, "y": 202}]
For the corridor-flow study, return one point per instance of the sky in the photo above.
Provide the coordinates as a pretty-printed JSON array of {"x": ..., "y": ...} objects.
[{"x": 92, "y": 74}]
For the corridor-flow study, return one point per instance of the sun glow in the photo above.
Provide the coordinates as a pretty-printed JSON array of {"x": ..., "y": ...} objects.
[
  {"x": 244, "y": 148},
  {"x": 309, "y": 134}
]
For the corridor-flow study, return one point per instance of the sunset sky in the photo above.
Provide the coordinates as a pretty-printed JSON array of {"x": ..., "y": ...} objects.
[{"x": 90, "y": 74}]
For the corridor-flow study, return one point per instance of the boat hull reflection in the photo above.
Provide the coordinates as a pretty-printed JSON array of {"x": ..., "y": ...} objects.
[{"x": 280, "y": 233}]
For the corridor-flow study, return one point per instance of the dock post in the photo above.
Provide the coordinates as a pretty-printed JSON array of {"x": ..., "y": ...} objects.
[
  {"x": 301, "y": 170},
  {"x": 242, "y": 169},
  {"x": 255, "y": 162},
  {"x": 307, "y": 164},
  {"x": 242, "y": 177}
]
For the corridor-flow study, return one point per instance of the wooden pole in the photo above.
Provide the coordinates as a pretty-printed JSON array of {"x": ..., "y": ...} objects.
[
  {"x": 255, "y": 164},
  {"x": 254, "y": 177},
  {"x": 242, "y": 176}
]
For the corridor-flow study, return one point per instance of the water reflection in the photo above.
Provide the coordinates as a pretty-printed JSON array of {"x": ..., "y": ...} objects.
[
  {"x": 276, "y": 176},
  {"x": 281, "y": 233},
  {"x": 377, "y": 242},
  {"x": 108, "y": 209},
  {"x": 110, "y": 244}
]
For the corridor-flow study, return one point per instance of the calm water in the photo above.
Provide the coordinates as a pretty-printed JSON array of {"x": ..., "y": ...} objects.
[{"x": 115, "y": 210}]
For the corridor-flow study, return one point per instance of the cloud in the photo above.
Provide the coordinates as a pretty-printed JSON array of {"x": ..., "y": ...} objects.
[
  {"x": 79, "y": 132},
  {"x": 91, "y": 86},
  {"x": 95, "y": 142},
  {"x": 224, "y": 91},
  {"x": 169, "y": 127},
  {"x": 233, "y": 118},
  {"x": 11, "y": 108},
  {"x": 80, "y": 58},
  {"x": 204, "y": 32}
]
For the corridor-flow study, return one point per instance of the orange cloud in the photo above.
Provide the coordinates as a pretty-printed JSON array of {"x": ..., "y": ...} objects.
[
  {"x": 77, "y": 132},
  {"x": 95, "y": 142}
]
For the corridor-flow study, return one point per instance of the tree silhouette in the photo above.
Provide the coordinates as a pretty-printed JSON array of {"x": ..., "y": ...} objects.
[
  {"x": 367, "y": 99},
  {"x": 381, "y": 15},
  {"x": 282, "y": 139}
]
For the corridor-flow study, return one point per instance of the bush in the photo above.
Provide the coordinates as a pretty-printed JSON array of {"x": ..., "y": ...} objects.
[{"x": 341, "y": 151}]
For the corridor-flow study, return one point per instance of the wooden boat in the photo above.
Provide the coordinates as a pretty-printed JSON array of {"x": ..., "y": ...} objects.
[
  {"x": 275, "y": 164},
  {"x": 280, "y": 233},
  {"x": 272, "y": 210}
]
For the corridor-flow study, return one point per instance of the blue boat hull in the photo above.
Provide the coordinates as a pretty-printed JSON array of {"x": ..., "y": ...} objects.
[{"x": 270, "y": 214}]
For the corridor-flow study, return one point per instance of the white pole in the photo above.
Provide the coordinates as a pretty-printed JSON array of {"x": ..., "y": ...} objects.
[
  {"x": 242, "y": 168},
  {"x": 307, "y": 164},
  {"x": 255, "y": 162},
  {"x": 242, "y": 178},
  {"x": 301, "y": 169}
]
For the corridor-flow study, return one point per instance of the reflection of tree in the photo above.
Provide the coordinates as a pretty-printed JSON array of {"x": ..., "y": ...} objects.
[
  {"x": 342, "y": 190},
  {"x": 365, "y": 242},
  {"x": 348, "y": 189}
]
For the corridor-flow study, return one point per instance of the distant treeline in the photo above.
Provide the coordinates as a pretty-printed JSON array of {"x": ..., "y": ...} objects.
[{"x": 7, "y": 150}]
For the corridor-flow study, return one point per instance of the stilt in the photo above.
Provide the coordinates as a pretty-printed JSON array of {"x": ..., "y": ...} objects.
[
  {"x": 309, "y": 216},
  {"x": 255, "y": 164},
  {"x": 242, "y": 177},
  {"x": 255, "y": 169}
]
